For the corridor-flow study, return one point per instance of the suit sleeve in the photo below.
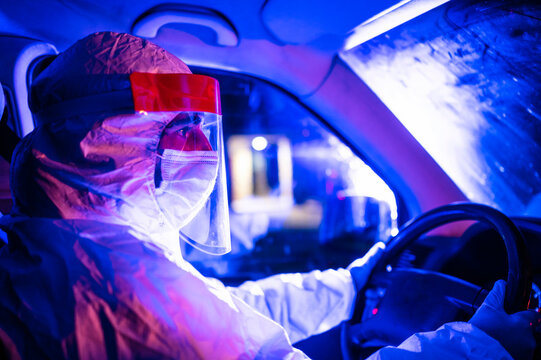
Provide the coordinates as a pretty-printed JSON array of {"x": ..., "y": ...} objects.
[{"x": 303, "y": 304}]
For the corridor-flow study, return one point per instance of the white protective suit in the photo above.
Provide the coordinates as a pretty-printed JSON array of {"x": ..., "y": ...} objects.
[{"x": 90, "y": 273}]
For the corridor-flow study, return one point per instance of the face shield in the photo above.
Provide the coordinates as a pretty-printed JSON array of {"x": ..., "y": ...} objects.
[{"x": 190, "y": 179}]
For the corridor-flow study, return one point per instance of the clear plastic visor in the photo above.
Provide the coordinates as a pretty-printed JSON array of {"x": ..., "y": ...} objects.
[{"x": 190, "y": 181}]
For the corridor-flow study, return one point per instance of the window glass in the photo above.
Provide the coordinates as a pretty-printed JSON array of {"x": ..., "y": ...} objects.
[
  {"x": 465, "y": 80},
  {"x": 299, "y": 198}
]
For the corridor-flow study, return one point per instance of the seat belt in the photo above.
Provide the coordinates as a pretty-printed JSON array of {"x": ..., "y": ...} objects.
[{"x": 8, "y": 138}]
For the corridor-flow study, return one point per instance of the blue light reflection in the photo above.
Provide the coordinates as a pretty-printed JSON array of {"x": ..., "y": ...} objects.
[{"x": 465, "y": 80}]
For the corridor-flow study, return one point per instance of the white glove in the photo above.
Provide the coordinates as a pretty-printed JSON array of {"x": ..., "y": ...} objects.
[
  {"x": 361, "y": 268},
  {"x": 514, "y": 332}
]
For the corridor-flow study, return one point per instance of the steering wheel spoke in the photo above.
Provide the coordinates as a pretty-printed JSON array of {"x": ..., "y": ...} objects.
[
  {"x": 398, "y": 303},
  {"x": 406, "y": 301}
]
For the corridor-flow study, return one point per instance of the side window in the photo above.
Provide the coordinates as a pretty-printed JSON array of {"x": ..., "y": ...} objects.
[{"x": 299, "y": 198}]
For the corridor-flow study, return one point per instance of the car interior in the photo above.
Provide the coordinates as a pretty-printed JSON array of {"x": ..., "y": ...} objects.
[{"x": 415, "y": 123}]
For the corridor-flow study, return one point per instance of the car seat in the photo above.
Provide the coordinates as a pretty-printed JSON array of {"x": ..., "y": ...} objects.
[{"x": 21, "y": 60}]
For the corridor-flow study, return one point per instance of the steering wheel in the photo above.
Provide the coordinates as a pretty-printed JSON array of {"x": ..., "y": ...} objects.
[{"x": 397, "y": 303}]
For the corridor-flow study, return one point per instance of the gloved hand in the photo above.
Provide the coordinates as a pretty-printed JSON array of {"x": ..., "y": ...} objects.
[
  {"x": 514, "y": 332},
  {"x": 361, "y": 268}
]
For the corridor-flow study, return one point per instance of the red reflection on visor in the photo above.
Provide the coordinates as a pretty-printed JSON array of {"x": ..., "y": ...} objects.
[
  {"x": 175, "y": 92},
  {"x": 192, "y": 139}
]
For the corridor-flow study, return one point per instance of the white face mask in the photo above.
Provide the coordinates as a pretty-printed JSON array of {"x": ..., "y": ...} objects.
[{"x": 188, "y": 179}]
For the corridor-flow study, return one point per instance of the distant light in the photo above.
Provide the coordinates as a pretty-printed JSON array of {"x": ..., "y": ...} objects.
[
  {"x": 259, "y": 143},
  {"x": 389, "y": 19},
  {"x": 389, "y": 268}
]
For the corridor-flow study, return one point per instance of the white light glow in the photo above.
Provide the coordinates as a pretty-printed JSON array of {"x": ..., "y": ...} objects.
[
  {"x": 445, "y": 116},
  {"x": 389, "y": 19},
  {"x": 259, "y": 143}
]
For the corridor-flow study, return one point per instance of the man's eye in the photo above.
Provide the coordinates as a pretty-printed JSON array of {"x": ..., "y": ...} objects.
[{"x": 184, "y": 130}]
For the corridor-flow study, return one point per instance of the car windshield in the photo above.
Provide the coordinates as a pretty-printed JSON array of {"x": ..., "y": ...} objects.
[{"x": 466, "y": 84}]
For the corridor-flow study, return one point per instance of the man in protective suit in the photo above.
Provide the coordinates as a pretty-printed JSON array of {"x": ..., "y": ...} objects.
[{"x": 126, "y": 161}]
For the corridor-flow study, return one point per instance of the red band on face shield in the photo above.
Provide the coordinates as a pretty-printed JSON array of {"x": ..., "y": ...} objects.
[{"x": 175, "y": 92}]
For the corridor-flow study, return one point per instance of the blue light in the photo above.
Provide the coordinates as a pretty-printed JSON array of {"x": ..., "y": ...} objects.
[{"x": 468, "y": 96}]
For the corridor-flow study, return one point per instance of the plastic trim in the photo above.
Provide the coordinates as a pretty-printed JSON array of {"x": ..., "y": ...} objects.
[{"x": 20, "y": 76}]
